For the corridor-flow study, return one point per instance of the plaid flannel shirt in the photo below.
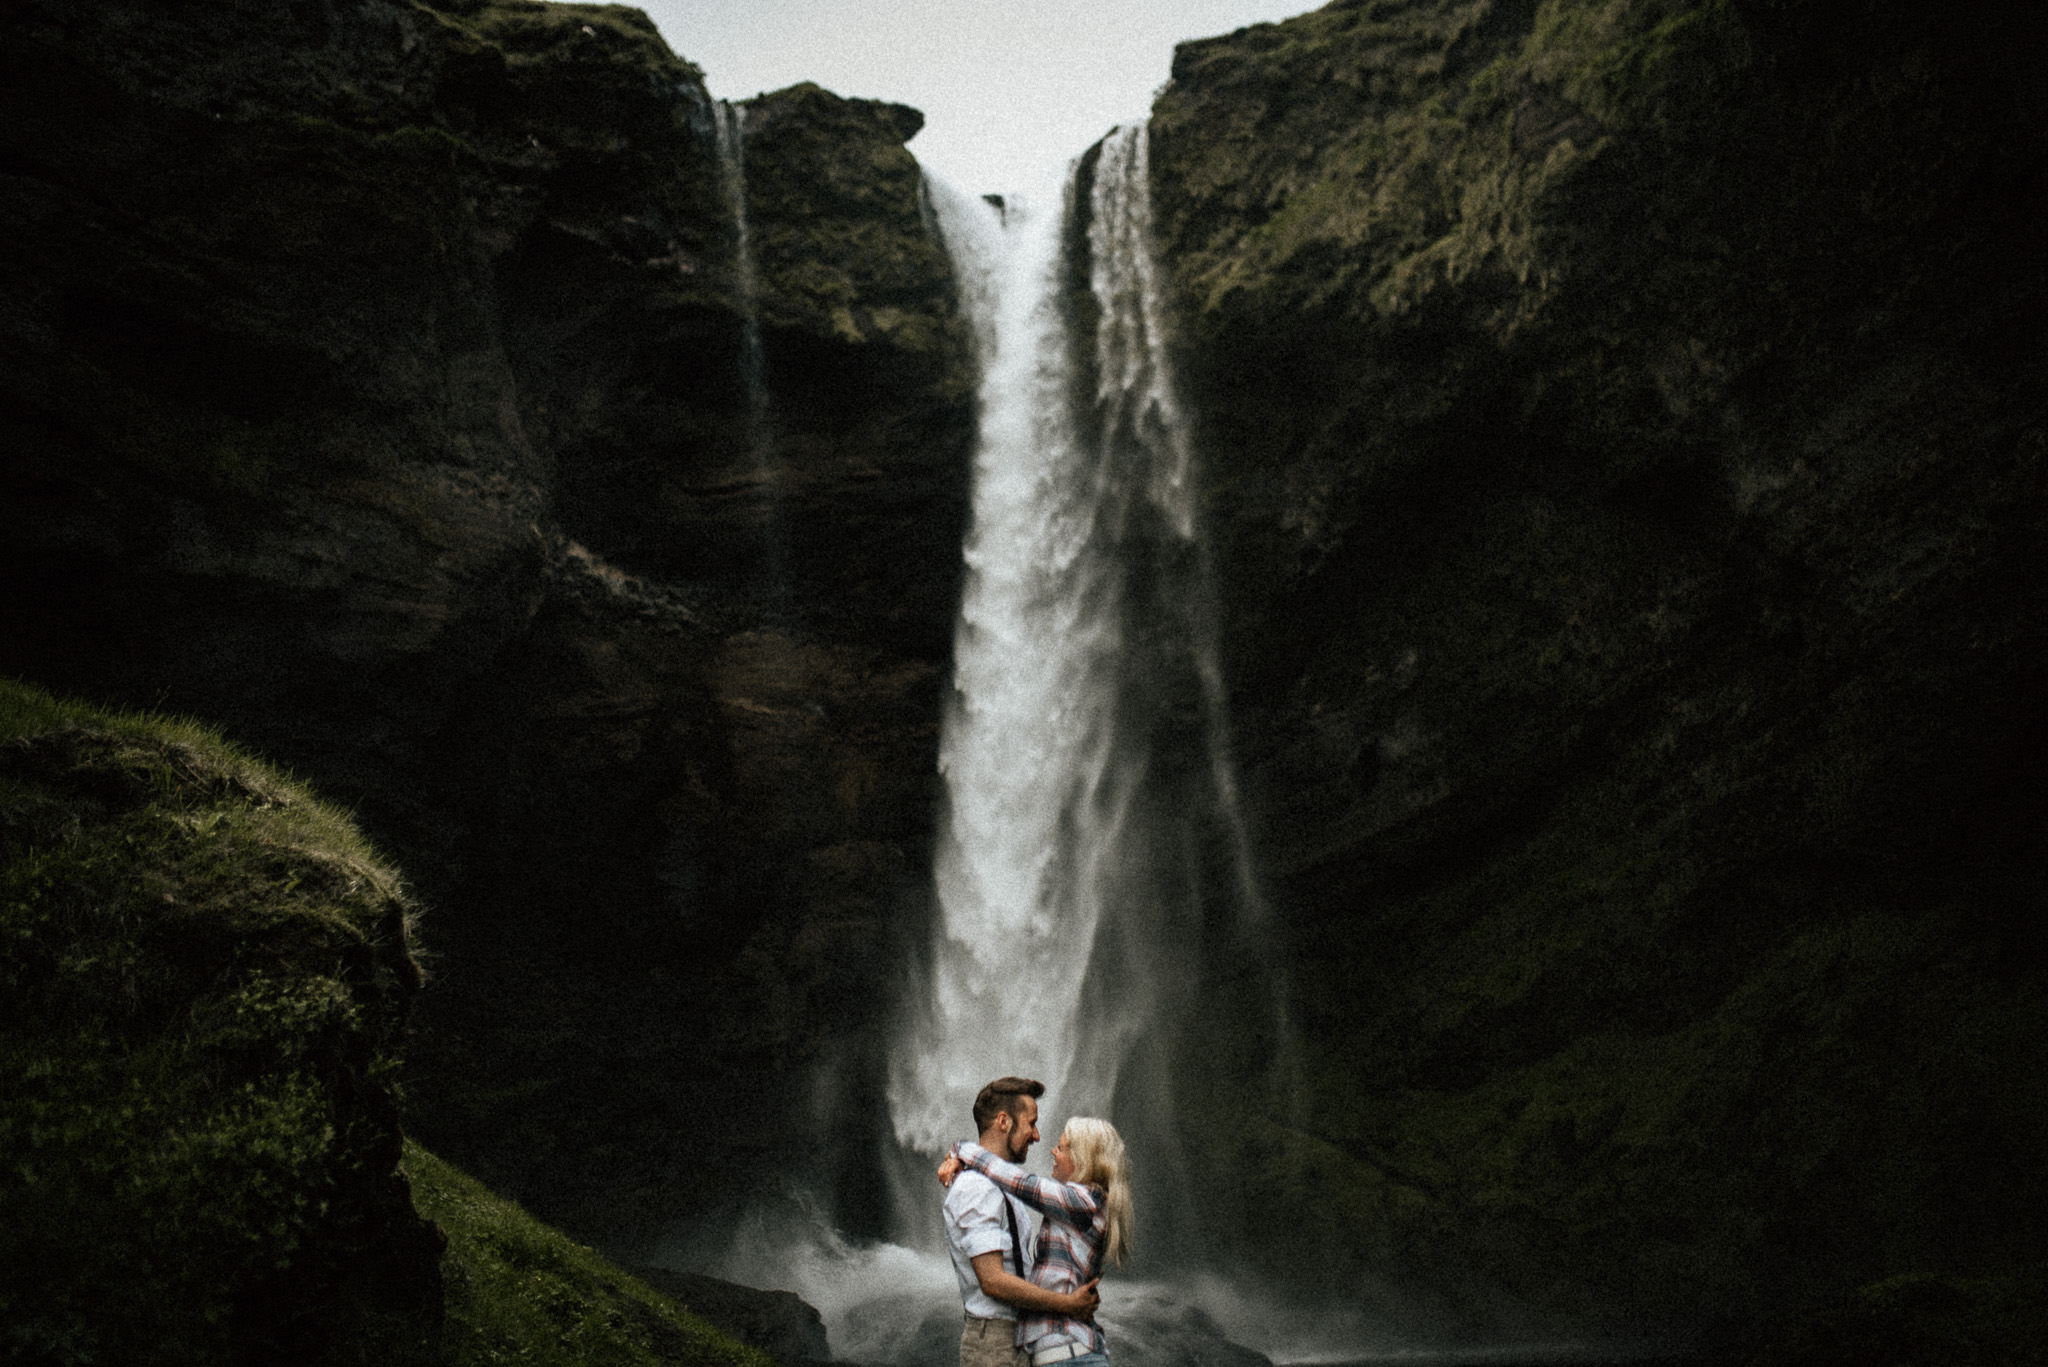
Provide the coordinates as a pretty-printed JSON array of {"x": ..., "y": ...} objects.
[{"x": 1070, "y": 1240}]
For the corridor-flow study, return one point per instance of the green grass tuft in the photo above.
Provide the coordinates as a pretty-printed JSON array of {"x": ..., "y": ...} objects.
[{"x": 520, "y": 1291}]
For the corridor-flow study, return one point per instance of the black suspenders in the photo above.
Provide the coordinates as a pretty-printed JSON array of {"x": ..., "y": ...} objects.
[{"x": 1016, "y": 1239}]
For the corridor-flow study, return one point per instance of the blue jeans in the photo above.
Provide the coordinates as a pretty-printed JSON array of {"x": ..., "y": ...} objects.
[{"x": 1086, "y": 1360}]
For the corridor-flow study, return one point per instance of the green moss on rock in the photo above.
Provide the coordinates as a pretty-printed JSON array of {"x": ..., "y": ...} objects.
[
  {"x": 521, "y": 1292},
  {"x": 206, "y": 973},
  {"x": 842, "y": 245}
]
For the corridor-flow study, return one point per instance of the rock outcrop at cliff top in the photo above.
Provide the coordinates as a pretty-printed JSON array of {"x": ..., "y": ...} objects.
[
  {"x": 372, "y": 389},
  {"x": 1624, "y": 426}
]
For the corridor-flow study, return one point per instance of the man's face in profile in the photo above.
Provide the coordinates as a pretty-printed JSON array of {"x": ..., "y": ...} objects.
[{"x": 1023, "y": 1129}]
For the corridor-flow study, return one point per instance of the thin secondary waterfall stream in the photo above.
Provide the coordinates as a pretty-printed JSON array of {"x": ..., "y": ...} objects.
[{"x": 729, "y": 123}]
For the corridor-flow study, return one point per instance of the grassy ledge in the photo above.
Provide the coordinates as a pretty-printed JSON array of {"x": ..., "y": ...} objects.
[{"x": 520, "y": 1291}]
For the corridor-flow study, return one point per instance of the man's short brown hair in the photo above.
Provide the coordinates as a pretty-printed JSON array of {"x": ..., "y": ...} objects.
[{"x": 1001, "y": 1097}]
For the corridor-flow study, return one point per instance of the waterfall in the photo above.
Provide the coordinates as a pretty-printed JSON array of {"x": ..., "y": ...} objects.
[
  {"x": 1083, "y": 751},
  {"x": 1091, "y": 851},
  {"x": 730, "y": 122}
]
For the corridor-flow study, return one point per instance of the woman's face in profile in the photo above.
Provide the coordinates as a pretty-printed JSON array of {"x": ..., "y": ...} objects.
[{"x": 1062, "y": 1161}]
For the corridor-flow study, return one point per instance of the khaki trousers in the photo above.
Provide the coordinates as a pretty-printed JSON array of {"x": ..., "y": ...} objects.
[{"x": 991, "y": 1343}]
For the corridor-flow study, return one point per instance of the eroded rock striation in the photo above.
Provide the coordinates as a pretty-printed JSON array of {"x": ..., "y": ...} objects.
[
  {"x": 1624, "y": 429},
  {"x": 373, "y": 389}
]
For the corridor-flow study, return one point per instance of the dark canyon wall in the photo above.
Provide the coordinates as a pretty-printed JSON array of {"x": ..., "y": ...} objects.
[
  {"x": 370, "y": 386},
  {"x": 1624, "y": 427}
]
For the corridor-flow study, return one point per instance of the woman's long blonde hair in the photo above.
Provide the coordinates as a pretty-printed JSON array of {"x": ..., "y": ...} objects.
[{"x": 1099, "y": 1161}]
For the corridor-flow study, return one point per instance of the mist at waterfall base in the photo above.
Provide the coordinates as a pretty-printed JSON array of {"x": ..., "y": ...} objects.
[{"x": 1090, "y": 852}]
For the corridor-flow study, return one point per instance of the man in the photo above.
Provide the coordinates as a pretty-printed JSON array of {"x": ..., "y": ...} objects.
[{"x": 986, "y": 1230}]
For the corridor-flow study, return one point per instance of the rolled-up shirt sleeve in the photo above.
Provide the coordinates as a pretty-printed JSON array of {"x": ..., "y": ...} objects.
[{"x": 978, "y": 1212}]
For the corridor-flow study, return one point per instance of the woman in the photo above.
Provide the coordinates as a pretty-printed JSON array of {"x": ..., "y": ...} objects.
[{"x": 1087, "y": 1209}]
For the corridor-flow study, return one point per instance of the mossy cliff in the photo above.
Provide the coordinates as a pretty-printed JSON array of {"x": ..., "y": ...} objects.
[
  {"x": 1624, "y": 426},
  {"x": 208, "y": 975},
  {"x": 373, "y": 389}
]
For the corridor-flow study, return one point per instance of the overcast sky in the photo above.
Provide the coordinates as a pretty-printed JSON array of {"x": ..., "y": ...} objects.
[{"x": 1010, "y": 89}]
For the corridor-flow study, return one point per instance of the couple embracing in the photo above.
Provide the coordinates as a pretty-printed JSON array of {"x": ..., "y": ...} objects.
[{"x": 1032, "y": 1301}]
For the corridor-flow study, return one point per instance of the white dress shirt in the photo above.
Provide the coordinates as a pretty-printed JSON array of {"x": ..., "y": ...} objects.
[{"x": 975, "y": 1223}]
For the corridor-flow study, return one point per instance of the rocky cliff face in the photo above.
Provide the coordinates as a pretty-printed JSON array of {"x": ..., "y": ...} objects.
[
  {"x": 1624, "y": 429},
  {"x": 1623, "y": 435},
  {"x": 373, "y": 389}
]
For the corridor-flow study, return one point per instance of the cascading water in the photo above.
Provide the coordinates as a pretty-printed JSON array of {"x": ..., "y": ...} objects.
[
  {"x": 1090, "y": 828},
  {"x": 1092, "y": 849},
  {"x": 1070, "y": 865}
]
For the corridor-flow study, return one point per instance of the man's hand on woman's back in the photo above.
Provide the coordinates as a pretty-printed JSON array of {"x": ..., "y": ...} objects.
[{"x": 1085, "y": 1298}]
